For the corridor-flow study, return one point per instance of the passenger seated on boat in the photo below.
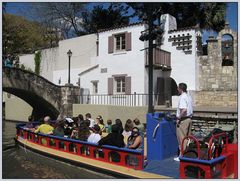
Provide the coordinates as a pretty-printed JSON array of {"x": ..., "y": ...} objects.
[
  {"x": 80, "y": 119},
  {"x": 74, "y": 134},
  {"x": 100, "y": 123},
  {"x": 59, "y": 129},
  {"x": 108, "y": 126},
  {"x": 84, "y": 131},
  {"x": 68, "y": 127},
  {"x": 30, "y": 125},
  {"x": 139, "y": 125},
  {"x": 115, "y": 138},
  {"x": 89, "y": 117},
  {"x": 128, "y": 128},
  {"x": 135, "y": 140},
  {"x": 75, "y": 122},
  {"x": 95, "y": 136},
  {"x": 119, "y": 123},
  {"x": 45, "y": 128}
]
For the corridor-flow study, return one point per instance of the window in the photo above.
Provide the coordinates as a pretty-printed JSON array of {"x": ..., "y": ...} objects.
[
  {"x": 119, "y": 85},
  {"x": 120, "y": 43},
  {"x": 95, "y": 87}
]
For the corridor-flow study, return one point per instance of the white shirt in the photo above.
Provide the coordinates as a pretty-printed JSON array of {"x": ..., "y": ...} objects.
[
  {"x": 94, "y": 138},
  {"x": 125, "y": 133},
  {"x": 92, "y": 122},
  {"x": 185, "y": 102}
]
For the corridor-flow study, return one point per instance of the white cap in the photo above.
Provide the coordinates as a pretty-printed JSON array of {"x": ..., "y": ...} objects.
[{"x": 69, "y": 120}]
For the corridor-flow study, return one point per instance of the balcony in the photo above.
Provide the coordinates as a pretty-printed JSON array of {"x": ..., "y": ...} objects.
[{"x": 161, "y": 59}]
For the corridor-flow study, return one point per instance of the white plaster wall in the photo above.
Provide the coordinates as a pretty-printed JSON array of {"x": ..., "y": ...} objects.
[
  {"x": 83, "y": 48},
  {"x": 63, "y": 76},
  {"x": 94, "y": 75},
  {"x": 48, "y": 62},
  {"x": 129, "y": 62},
  {"x": 183, "y": 65},
  {"x": 17, "y": 109},
  {"x": 27, "y": 61}
]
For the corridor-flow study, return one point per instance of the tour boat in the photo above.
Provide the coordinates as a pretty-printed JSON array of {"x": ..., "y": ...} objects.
[{"x": 129, "y": 163}]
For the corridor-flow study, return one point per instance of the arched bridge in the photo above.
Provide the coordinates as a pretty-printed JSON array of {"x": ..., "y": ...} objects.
[{"x": 45, "y": 97}]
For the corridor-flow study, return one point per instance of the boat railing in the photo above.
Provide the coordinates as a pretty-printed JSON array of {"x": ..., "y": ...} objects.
[{"x": 118, "y": 156}]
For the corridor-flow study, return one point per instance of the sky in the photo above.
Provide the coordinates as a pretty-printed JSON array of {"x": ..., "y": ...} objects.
[{"x": 231, "y": 14}]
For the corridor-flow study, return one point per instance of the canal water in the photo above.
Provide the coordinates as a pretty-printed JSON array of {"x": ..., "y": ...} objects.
[{"x": 20, "y": 163}]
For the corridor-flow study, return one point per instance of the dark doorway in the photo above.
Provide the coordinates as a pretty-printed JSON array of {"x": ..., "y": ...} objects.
[{"x": 166, "y": 88}]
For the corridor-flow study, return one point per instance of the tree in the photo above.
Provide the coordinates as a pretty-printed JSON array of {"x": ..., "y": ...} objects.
[
  {"x": 60, "y": 17},
  {"x": 21, "y": 35},
  {"x": 103, "y": 18},
  {"x": 209, "y": 16}
]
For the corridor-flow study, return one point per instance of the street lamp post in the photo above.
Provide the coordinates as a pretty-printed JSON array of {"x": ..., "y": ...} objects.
[
  {"x": 152, "y": 34},
  {"x": 69, "y": 53}
]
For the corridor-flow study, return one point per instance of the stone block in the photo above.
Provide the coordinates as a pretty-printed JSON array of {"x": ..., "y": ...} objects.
[{"x": 215, "y": 86}]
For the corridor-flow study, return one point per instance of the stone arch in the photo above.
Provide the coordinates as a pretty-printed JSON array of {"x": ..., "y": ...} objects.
[
  {"x": 227, "y": 50},
  {"x": 41, "y": 107},
  {"x": 174, "y": 86},
  {"x": 166, "y": 88},
  {"x": 45, "y": 97},
  {"x": 233, "y": 34}
]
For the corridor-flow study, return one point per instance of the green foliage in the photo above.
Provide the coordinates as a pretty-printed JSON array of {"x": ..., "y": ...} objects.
[
  {"x": 37, "y": 60},
  {"x": 22, "y": 67},
  {"x": 20, "y": 35},
  {"x": 208, "y": 15},
  {"x": 101, "y": 18}
]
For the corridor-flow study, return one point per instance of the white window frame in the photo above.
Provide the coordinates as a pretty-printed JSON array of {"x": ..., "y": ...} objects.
[
  {"x": 119, "y": 85},
  {"x": 122, "y": 41}
]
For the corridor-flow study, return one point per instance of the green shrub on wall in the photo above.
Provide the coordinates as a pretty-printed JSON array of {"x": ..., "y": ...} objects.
[{"x": 37, "y": 60}]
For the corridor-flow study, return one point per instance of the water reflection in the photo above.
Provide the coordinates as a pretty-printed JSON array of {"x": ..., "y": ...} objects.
[{"x": 20, "y": 163}]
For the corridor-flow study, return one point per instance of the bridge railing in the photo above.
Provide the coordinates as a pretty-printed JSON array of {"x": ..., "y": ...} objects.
[{"x": 112, "y": 155}]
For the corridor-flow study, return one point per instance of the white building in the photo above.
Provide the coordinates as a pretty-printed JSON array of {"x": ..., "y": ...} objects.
[
  {"x": 121, "y": 65},
  {"x": 114, "y": 62}
]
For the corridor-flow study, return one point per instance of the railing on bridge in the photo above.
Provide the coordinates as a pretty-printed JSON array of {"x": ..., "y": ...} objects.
[
  {"x": 112, "y": 155},
  {"x": 120, "y": 99}
]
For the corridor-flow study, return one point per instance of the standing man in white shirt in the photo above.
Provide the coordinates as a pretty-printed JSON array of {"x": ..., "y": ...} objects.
[{"x": 184, "y": 115}]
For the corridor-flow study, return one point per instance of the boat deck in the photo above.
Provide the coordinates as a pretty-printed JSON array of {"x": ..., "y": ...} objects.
[{"x": 167, "y": 167}]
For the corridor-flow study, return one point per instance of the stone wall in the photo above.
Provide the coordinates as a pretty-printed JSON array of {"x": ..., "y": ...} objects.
[
  {"x": 215, "y": 98},
  {"x": 70, "y": 95},
  {"x": 217, "y": 83}
]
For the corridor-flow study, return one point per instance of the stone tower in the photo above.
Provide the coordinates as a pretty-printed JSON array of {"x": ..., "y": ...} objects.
[{"x": 217, "y": 71}]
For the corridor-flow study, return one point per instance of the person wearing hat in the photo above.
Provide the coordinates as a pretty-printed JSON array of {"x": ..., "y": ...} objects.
[{"x": 95, "y": 136}]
